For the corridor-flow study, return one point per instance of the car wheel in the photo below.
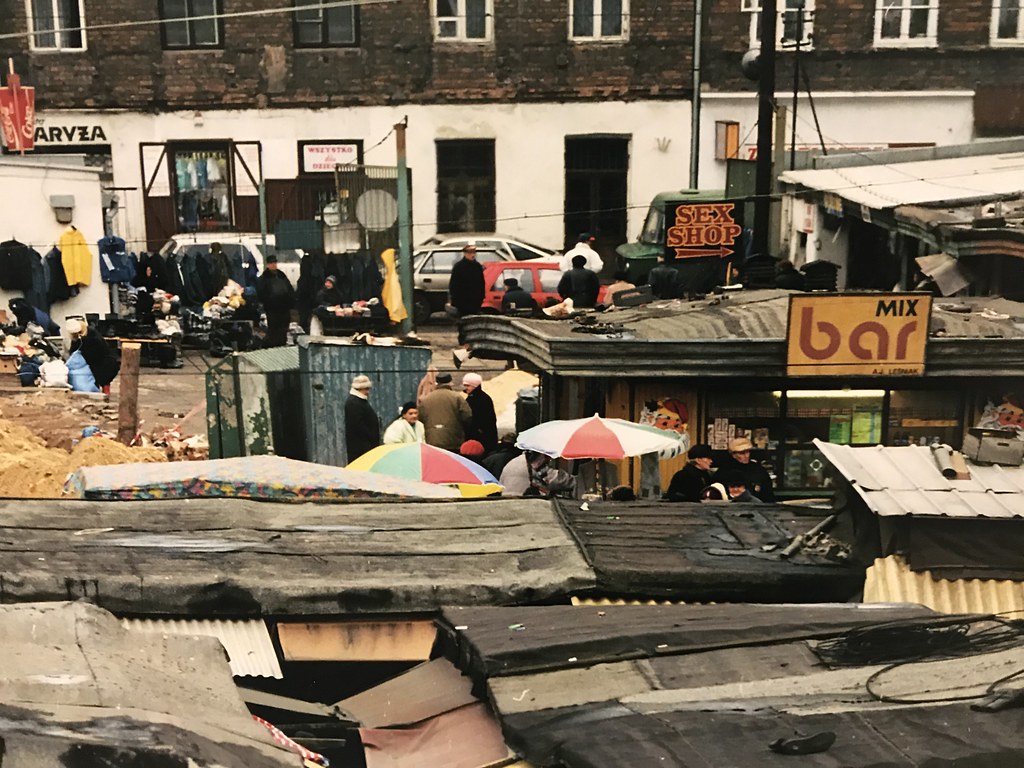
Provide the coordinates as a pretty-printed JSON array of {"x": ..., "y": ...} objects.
[{"x": 420, "y": 309}]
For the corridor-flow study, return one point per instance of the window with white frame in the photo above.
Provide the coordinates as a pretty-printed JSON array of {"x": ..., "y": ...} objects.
[
  {"x": 56, "y": 25},
  {"x": 191, "y": 23},
  {"x": 795, "y": 22},
  {"x": 905, "y": 23},
  {"x": 465, "y": 20},
  {"x": 598, "y": 19},
  {"x": 1008, "y": 22}
]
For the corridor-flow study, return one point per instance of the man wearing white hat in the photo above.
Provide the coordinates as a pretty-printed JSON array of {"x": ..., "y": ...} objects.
[
  {"x": 759, "y": 482},
  {"x": 362, "y": 427}
]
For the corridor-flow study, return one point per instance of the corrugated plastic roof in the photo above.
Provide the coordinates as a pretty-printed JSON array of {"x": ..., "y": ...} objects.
[
  {"x": 906, "y": 480},
  {"x": 890, "y": 580},
  {"x": 249, "y": 647},
  {"x": 924, "y": 181}
]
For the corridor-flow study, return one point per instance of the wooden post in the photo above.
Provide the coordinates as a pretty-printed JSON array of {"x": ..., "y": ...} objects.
[{"x": 128, "y": 394}]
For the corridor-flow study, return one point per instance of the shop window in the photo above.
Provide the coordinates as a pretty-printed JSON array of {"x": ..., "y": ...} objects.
[
  {"x": 463, "y": 20},
  {"x": 202, "y": 187},
  {"x": 795, "y": 22},
  {"x": 906, "y": 23},
  {"x": 465, "y": 185},
  {"x": 56, "y": 25},
  {"x": 923, "y": 418},
  {"x": 1008, "y": 22},
  {"x": 598, "y": 20},
  {"x": 191, "y": 23},
  {"x": 320, "y": 27}
]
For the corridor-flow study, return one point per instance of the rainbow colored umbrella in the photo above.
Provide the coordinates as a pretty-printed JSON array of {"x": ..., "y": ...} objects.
[{"x": 420, "y": 461}]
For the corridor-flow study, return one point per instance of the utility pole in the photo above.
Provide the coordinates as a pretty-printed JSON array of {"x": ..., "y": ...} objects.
[
  {"x": 404, "y": 227},
  {"x": 765, "y": 118},
  {"x": 698, "y": 29}
]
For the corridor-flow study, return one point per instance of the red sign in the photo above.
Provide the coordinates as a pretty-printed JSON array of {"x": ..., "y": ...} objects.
[
  {"x": 18, "y": 114},
  {"x": 699, "y": 230}
]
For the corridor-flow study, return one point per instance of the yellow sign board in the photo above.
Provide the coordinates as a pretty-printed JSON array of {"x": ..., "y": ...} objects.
[{"x": 878, "y": 334}]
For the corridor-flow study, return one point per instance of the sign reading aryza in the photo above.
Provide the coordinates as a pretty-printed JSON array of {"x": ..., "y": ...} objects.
[
  {"x": 881, "y": 334},
  {"x": 699, "y": 230}
]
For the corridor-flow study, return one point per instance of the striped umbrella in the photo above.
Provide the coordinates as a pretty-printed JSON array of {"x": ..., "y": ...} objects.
[
  {"x": 599, "y": 438},
  {"x": 420, "y": 461}
]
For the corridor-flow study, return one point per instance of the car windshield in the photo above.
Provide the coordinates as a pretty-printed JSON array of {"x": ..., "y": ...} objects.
[{"x": 654, "y": 226}]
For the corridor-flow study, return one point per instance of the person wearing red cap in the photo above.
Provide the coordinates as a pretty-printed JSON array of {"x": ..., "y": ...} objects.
[{"x": 584, "y": 247}]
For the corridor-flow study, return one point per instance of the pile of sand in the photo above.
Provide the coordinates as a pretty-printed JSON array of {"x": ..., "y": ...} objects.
[{"x": 29, "y": 469}]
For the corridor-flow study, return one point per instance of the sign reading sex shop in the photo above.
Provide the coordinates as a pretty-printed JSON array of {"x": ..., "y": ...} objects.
[
  {"x": 879, "y": 334},
  {"x": 699, "y": 230}
]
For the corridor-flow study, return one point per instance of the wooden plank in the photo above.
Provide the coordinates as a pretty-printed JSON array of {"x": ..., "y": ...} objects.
[
  {"x": 128, "y": 394},
  {"x": 395, "y": 640}
]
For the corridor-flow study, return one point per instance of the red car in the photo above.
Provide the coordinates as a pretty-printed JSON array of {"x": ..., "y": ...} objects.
[{"x": 538, "y": 277}]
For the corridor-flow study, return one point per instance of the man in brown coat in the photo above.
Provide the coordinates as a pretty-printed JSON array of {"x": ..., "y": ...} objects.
[{"x": 445, "y": 415}]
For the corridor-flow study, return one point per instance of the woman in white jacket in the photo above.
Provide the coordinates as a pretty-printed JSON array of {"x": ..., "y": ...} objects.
[{"x": 406, "y": 428}]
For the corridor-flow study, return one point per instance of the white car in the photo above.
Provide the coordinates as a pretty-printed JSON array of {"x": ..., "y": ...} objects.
[
  {"x": 288, "y": 259},
  {"x": 512, "y": 248}
]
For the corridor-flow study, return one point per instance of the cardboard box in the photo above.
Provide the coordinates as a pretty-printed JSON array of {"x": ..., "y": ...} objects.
[{"x": 993, "y": 446}]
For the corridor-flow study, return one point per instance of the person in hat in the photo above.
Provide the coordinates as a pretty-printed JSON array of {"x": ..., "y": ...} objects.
[
  {"x": 406, "y": 428},
  {"x": 736, "y": 488},
  {"x": 580, "y": 284},
  {"x": 584, "y": 247},
  {"x": 472, "y": 450},
  {"x": 516, "y": 297},
  {"x": 714, "y": 492},
  {"x": 466, "y": 286},
  {"x": 97, "y": 353},
  {"x": 446, "y": 415},
  {"x": 362, "y": 427},
  {"x": 758, "y": 481},
  {"x": 329, "y": 296},
  {"x": 485, "y": 422},
  {"x": 277, "y": 296},
  {"x": 688, "y": 482}
]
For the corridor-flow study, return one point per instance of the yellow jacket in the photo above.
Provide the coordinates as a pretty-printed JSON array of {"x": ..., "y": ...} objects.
[{"x": 75, "y": 258}]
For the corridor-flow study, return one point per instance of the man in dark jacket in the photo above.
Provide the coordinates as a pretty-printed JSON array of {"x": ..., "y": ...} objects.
[
  {"x": 446, "y": 415},
  {"x": 362, "y": 427},
  {"x": 97, "y": 353},
  {"x": 664, "y": 280},
  {"x": 485, "y": 422},
  {"x": 580, "y": 284},
  {"x": 466, "y": 287},
  {"x": 516, "y": 297},
  {"x": 689, "y": 481},
  {"x": 278, "y": 297},
  {"x": 758, "y": 481},
  {"x": 787, "y": 276}
]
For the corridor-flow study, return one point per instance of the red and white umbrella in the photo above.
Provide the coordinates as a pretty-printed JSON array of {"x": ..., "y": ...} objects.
[{"x": 598, "y": 438}]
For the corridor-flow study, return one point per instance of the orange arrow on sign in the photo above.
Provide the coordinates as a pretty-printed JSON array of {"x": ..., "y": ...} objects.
[{"x": 695, "y": 253}]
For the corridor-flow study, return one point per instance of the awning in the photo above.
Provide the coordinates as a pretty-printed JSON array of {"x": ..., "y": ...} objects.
[{"x": 978, "y": 177}]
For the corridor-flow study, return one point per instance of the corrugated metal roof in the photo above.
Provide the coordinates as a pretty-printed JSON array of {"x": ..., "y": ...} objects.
[
  {"x": 271, "y": 360},
  {"x": 906, "y": 480},
  {"x": 925, "y": 181},
  {"x": 248, "y": 645},
  {"x": 890, "y": 579}
]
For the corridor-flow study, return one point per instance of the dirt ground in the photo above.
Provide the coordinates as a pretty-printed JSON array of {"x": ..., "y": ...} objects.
[{"x": 168, "y": 399}]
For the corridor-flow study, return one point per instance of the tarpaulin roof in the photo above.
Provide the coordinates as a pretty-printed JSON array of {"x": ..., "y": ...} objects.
[{"x": 251, "y": 477}]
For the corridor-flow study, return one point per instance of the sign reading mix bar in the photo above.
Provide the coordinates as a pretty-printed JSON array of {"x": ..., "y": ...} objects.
[{"x": 879, "y": 334}]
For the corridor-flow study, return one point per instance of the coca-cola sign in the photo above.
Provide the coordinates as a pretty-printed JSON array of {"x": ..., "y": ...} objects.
[{"x": 17, "y": 113}]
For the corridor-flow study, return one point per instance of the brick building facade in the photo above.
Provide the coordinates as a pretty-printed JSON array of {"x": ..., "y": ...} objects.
[{"x": 525, "y": 116}]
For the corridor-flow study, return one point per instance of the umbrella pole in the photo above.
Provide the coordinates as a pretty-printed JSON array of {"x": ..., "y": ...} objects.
[{"x": 599, "y": 480}]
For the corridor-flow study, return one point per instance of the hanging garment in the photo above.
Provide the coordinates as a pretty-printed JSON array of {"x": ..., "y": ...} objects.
[
  {"x": 116, "y": 266},
  {"x": 59, "y": 290},
  {"x": 392, "y": 292},
  {"x": 39, "y": 294},
  {"x": 15, "y": 266},
  {"x": 75, "y": 256}
]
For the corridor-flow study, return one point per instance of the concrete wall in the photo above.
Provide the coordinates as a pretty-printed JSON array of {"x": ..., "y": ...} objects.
[{"x": 26, "y": 215}]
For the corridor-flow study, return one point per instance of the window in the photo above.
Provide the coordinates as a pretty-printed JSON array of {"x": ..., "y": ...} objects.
[
  {"x": 906, "y": 23},
  {"x": 202, "y": 189},
  {"x": 1008, "y": 22},
  {"x": 56, "y": 25},
  {"x": 549, "y": 279},
  {"x": 191, "y": 23},
  {"x": 465, "y": 186},
  {"x": 319, "y": 27},
  {"x": 599, "y": 19},
  {"x": 467, "y": 20},
  {"x": 441, "y": 262},
  {"x": 524, "y": 276},
  {"x": 795, "y": 22}
]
